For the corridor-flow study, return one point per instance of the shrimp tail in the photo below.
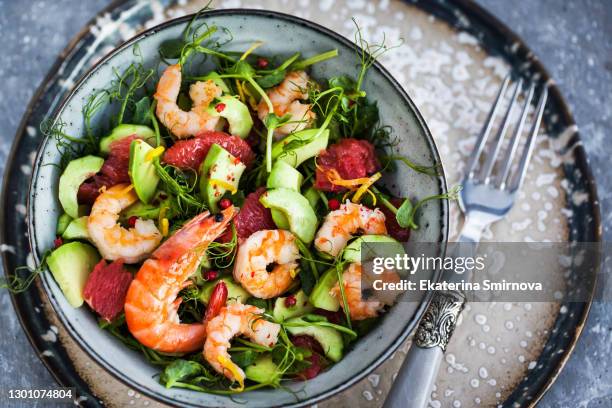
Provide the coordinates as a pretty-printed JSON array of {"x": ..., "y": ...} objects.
[
  {"x": 197, "y": 233},
  {"x": 151, "y": 305}
]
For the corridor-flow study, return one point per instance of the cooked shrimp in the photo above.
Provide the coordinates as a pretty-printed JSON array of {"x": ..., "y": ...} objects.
[
  {"x": 114, "y": 241},
  {"x": 265, "y": 248},
  {"x": 151, "y": 305},
  {"x": 351, "y": 280},
  {"x": 184, "y": 124},
  {"x": 340, "y": 226},
  {"x": 285, "y": 99},
  {"x": 233, "y": 320}
]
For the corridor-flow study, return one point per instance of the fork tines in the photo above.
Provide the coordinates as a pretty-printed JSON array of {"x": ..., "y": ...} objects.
[{"x": 502, "y": 178}]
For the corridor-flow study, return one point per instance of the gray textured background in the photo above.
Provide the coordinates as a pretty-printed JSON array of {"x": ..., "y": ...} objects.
[{"x": 572, "y": 38}]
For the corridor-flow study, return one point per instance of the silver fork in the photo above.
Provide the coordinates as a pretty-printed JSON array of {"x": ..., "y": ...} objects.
[{"x": 489, "y": 191}]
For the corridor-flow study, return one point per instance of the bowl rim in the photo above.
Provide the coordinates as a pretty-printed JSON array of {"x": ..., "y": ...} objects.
[{"x": 444, "y": 207}]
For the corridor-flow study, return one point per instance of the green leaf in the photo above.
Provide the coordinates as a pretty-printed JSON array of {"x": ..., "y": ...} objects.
[
  {"x": 272, "y": 121},
  {"x": 179, "y": 371},
  {"x": 244, "y": 358},
  {"x": 243, "y": 69},
  {"x": 307, "y": 279},
  {"x": 404, "y": 215},
  {"x": 141, "y": 112},
  {"x": 272, "y": 79},
  {"x": 345, "y": 82},
  {"x": 260, "y": 303},
  {"x": 172, "y": 48},
  {"x": 366, "y": 119},
  {"x": 407, "y": 212}
]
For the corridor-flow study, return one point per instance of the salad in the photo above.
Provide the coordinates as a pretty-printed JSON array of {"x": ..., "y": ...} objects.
[{"x": 213, "y": 220}]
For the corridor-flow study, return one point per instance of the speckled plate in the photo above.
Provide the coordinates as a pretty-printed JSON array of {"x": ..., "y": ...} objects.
[{"x": 451, "y": 63}]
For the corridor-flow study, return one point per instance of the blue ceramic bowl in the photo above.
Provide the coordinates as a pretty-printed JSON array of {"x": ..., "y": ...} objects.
[{"x": 283, "y": 35}]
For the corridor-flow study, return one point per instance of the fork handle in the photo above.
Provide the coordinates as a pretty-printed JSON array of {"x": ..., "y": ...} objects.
[{"x": 415, "y": 379}]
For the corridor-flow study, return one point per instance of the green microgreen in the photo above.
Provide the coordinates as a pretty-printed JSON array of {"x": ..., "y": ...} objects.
[
  {"x": 222, "y": 254},
  {"x": 407, "y": 212},
  {"x": 180, "y": 185},
  {"x": 16, "y": 283},
  {"x": 271, "y": 123},
  {"x": 339, "y": 266},
  {"x": 429, "y": 170}
]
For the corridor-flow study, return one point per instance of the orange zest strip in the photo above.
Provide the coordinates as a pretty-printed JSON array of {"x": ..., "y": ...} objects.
[
  {"x": 335, "y": 178},
  {"x": 365, "y": 186}
]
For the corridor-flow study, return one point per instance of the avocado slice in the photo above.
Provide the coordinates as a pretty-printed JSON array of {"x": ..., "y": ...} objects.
[
  {"x": 62, "y": 223},
  {"x": 330, "y": 339},
  {"x": 71, "y": 179},
  {"x": 283, "y": 312},
  {"x": 77, "y": 229},
  {"x": 142, "y": 172},
  {"x": 125, "y": 130},
  {"x": 313, "y": 197},
  {"x": 235, "y": 292},
  {"x": 284, "y": 176},
  {"x": 220, "y": 172},
  {"x": 352, "y": 252},
  {"x": 302, "y": 218},
  {"x": 263, "y": 370},
  {"x": 236, "y": 113},
  {"x": 70, "y": 265},
  {"x": 320, "y": 296},
  {"x": 280, "y": 220},
  {"x": 141, "y": 210},
  {"x": 306, "y": 146}
]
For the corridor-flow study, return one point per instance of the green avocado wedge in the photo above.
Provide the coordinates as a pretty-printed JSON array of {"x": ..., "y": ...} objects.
[
  {"x": 70, "y": 265},
  {"x": 77, "y": 229},
  {"x": 220, "y": 172},
  {"x": 263, "y": 371},
  {"x": 330, "y": 339},
  {"x": 296, "y": 208},
  {"x": 62, "y": 223},
  {"x": 283, "y": 312},
  {"x": 283, "y": 176},
  {"x": 390, "y": 247},
  {"x": 313, "y": 197},
  {"x": 320, "y": 296},
  {"x": 300, "y": 146},
  {"x": 123, "y": 131},
  {"x": 142, "y": 171},
  {"x": 236, "y": 113},
  {"x": 71, "y": 179}
]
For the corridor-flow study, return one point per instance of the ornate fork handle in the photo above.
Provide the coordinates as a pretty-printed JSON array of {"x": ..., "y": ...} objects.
[
  {"x": 438, "y": 323},
  {"x": 418, "y": 373}
]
